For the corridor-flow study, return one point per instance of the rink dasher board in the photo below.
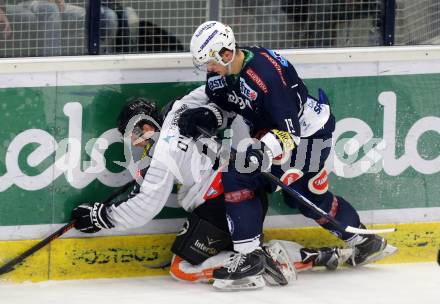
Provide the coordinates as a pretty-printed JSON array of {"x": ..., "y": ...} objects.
[
  {"x": 134, "y": 255},
  {"x": 45, "y": 100}
]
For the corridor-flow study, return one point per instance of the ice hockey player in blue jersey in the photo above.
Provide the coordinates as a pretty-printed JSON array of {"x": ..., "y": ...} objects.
[{"x": 292, "y": 134}]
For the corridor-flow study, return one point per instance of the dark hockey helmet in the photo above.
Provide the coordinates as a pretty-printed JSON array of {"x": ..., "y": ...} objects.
[
  {"x": 167, "y": 107},
  {"x": 139, "y": 106}
]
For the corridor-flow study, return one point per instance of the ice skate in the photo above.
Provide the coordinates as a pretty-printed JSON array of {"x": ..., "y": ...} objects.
[
  {"x": 241, "y": 272},
  {"x": 368, "y": 249}
]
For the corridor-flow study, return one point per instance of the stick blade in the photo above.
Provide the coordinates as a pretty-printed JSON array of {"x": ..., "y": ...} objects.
[{"x": 369, "y": 231}]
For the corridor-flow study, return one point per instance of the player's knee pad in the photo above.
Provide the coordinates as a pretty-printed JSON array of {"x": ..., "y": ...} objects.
[{"x": 199, "y": 240}]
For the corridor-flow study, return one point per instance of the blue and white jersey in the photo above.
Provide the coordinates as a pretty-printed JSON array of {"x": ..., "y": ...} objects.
[{"x": 268, "y": 93}]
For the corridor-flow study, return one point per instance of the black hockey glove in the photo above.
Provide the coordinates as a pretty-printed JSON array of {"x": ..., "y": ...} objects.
[
  {"x": 258, "y": 157},
  {"x": 91, "y": 218},
  {"x": 209, "y": 118}
]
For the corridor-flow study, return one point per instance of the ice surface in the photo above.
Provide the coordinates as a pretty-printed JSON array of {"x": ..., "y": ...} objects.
[{"x": 372, "y": 284}]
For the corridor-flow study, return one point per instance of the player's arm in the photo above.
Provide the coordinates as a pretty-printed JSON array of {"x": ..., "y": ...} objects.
[
  {"x": 134, "y": 212},
  {"x": 143, "y": 207},
  {"x": 201, "y": 112},
  {"x": 280, "y": 106}
]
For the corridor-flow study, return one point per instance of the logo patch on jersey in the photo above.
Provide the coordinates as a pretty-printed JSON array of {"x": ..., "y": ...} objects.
[
  {"x": 290, "y": 176},
  {"x": 276, "y": 66},
  {"x": 208, "y": 39},
  {"x": 278, "y": 57},
  {"x": 316, "y": 106},
  {"x": 216, "y": 82},
  {"x": 319, "y": 183},
  {"x": 247, "y": 91},
  {"x": 258, "y": 81},
  {"x": 234, "y": 98}
]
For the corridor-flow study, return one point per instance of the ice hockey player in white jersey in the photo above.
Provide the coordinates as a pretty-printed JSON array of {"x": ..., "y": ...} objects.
[{"x": 204, "y": 243}]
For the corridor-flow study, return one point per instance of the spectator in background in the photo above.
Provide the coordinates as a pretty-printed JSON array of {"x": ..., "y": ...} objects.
[
  {"x": 36, "y": 28},
  {"x": 126, "y": 28},
  {"x": 40, "y": 16},
  {"x": 119, "y": 25},
  {"x": 74, "y": 17},
  {"x": 153, "y": 39},
  {"x": 5, "y": 26}
]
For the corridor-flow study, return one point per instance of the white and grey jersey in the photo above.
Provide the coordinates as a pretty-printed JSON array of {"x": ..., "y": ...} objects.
[{"x": 176, "y": 160}]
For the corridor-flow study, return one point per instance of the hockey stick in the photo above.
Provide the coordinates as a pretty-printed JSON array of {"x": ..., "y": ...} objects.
[
  {"x": 305, "y": 202},
  {"x": 9, "y": 266}
]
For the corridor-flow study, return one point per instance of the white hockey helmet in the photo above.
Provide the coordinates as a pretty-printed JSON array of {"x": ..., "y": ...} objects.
[{"x": 208, "y": 40}]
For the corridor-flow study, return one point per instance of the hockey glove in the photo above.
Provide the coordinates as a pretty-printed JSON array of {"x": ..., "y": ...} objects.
[
  {"x": 91, "y": 218},
  {"x": 259, "y": 159},
  {"x": 209, "y": 117}
]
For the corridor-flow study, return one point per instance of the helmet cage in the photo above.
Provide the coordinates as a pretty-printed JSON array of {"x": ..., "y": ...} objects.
[{"x": 144, "y": 111}]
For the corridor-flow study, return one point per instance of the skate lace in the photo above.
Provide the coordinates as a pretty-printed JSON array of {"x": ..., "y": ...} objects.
[{"x": 234, "y": 262}]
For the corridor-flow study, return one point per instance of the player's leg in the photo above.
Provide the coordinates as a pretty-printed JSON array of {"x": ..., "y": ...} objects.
[
  {"x": 204, "y": 234},
  {"x": 199, "y": 246},
  {"x": 313, "y": 184},
  {"x": 245, "y": 211},
  {"x": 202, "y": 244}
]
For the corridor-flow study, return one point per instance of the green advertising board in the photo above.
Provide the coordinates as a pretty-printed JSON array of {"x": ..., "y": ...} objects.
[{"x": 396, "y": 120}]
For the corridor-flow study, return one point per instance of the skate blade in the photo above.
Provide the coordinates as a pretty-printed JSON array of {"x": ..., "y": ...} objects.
[
  {"x": 248, "y": 283},
  {"x": 388, "y": 250}
]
